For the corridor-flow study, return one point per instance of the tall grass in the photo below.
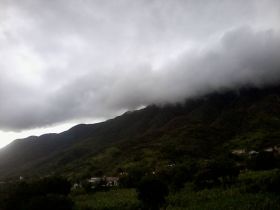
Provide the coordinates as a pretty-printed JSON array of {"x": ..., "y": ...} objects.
[
  {"x": 115, "y": 199},
  {"x": 219, "y": 199}
]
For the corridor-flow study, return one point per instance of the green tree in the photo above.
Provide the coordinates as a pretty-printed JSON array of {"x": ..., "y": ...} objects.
[
  {"x": 47, "y": 193},
  {"x": 152, "y": 193},
  {"x": 216, "y": 172}
]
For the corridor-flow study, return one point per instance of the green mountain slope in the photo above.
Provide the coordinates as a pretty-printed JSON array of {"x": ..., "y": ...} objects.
[{"x": 154, "y": 136}]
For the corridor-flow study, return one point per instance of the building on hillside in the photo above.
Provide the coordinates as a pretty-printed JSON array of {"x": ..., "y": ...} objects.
[
  {"x": 252, "y": 153},
  {"x": 76, "y": 186},
  {"x": 238, "y": 152},
  {"x": 95, "y": 180},
  {"x": 104, "y": 181},
  {"x": 270, "y": 149},
  {"x": 112, "y": 181}
]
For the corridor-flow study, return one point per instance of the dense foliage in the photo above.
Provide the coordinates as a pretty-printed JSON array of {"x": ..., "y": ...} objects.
[{"x": 44, "y": 194}]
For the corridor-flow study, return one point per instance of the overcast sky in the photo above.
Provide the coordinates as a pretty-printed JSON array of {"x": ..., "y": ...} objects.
[{"x": 70, "y": 61}]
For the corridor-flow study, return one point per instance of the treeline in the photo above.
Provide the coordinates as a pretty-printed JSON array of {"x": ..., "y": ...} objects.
[
  {"x": 44, "y": 194},
  {"x": 256, "y": 176}
]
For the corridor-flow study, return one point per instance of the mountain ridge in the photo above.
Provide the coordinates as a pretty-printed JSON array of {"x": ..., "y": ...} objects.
[{"x": 197, "y": 128}]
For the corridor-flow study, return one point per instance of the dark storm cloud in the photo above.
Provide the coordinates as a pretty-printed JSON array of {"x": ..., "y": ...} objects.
[
  {"x": 69, "y": 60},
  {"x": 242, "y": 57}
]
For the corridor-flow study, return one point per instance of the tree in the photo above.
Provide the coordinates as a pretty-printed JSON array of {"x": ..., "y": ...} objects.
[
  {"x": 262, "y": 161},
  {"x": 215, "y": 172},
  {"x": 132, "y": 178},
  {"x": 47, "y": 193},
  {"x": 152, "y": 193}
]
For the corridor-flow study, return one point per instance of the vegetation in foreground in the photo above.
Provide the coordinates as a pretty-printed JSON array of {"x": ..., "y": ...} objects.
[{"x": 250, "y": 190}]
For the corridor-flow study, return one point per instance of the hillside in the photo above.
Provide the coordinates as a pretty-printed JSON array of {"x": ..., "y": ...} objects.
[{"x": 154, "y": 136}]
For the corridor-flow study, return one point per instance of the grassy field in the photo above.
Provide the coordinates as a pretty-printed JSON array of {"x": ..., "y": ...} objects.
[
  {"x": 213, "y": 199},
  {"x": 218, "y": 199},
  {"x": 115, "y": 199}
]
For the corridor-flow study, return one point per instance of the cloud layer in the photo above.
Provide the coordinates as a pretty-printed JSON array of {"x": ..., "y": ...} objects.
[{"x": 69, "y": 60}]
